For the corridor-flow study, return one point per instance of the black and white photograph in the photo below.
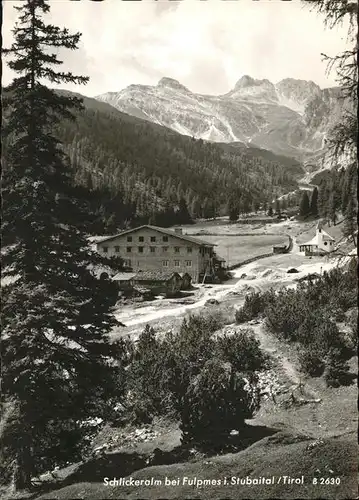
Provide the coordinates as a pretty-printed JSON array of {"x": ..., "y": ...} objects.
[{"x": 179, "y": 267}]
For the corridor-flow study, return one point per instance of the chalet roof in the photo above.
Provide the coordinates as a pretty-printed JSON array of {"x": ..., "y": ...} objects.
[
  {"x": 124, "y": 276},
  {"x": 162, "y": 230},
  {"x": 327, "y": 236},
  {"x": 315, "y": 240},
  {"x": 154, "y": 275}
]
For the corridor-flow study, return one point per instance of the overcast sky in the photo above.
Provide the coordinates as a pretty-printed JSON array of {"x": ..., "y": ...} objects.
[{"x": 207, "y": 46}]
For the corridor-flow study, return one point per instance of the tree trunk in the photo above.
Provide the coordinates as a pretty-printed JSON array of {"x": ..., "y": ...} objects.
[{"x": 22, "y": 470}]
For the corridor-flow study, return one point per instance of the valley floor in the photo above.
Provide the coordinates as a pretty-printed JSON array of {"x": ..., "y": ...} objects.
[{"x": 165, "y": 314}]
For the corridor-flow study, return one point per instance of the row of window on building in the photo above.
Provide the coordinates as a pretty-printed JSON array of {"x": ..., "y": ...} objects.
[
  {"x": 153, "y": 239},
  {"x": 177, "y": 263},
  {"x": 141, "y": 249},
  {"x": 165, "y": 263}
]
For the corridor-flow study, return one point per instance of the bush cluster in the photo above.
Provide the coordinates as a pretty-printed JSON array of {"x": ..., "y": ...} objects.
[
  {"x": 254, "y": 305},
  {"x": 206, "y": 381},
  {"x": 311, "y": 362},
  {"x": 337, "y": 370},
  {"x": 307, "y": 315},
  {"x": 352, "y": 323}
]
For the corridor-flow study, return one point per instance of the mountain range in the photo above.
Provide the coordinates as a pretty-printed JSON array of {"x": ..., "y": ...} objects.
[
  {"x": 138, "y": 169},
  {"x": 290, "y": 118}
]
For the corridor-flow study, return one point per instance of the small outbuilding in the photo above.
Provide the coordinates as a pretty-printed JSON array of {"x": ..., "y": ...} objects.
[
  {"x": 159, "y": 282},
  {"x": 280, "y": 249},
  {"x": 321, "y": 244},
  {"x": 124, "y": 281}
]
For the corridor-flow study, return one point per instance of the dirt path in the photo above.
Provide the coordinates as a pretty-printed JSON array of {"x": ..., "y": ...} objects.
[
  {"x": 285, "y": 358},
  {"x": 282, "y": 411},
  {"x": 318, "y": 411}
]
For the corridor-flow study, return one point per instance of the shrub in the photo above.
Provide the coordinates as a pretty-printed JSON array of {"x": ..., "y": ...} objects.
[
  {"x": 243, "y": 351},
  {"x": 310, "y": 311},
  {"x": 352, "y": 335},
  {"x": 326, "y": 335},
  {"x": 311, "y": 363},
  {"x": 216, "y": 402},
  {"x": 194, "y": 344},
  {"x": 337, "y": 372},
  {"x": 196, "y": 377},
  {"x": 206, "y": 402},
  {"x": 242, "y": 316},
  {"x": 254, "y": 304},
  {"x": 306, "y": 331},
  {"x": 148, "y": 394},
  {"x": 286, "y": 314},
  {"x": 337, "y": 288},
  {"x": 207, "y": 323},
  {"x": 158, "y": 365}
]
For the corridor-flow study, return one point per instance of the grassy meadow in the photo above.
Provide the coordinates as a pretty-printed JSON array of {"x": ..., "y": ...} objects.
[{"x": 238, "y": 248}]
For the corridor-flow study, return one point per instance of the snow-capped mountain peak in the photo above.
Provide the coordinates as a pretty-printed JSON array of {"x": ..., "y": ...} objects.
[
  {"x": 289, "y": 118},
  {"x": 248, "y": 81}
]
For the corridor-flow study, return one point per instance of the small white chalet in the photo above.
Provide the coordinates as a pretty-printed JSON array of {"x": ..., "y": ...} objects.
[{"x": 322, "y": 243}]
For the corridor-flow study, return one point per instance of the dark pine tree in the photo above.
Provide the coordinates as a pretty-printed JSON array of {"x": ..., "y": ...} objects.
[
  {"x": 323, "y": 199},
  {"x": 345, "y": 197},
  {"x": 58, "y": 367},
  {"x": 277, "y": 207},
  {"x": 332, "y": 207},
  {"x": 314, "y": 202},
  {"x": 304, "y": 207},
  {"x": 350, "y": 229},
  {"x": 183, "y": 215},
  {"x": 233, "y": 208},
  {"x": 256, "y": 206}
]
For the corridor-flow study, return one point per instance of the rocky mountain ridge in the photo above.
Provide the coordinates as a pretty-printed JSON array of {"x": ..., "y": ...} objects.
[{"x": 290, "y": 118}]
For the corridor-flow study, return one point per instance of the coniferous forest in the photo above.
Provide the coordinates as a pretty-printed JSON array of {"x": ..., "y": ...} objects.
[
  {"x": 128, "y": 172},
  {"x": 138, "y": 172}
]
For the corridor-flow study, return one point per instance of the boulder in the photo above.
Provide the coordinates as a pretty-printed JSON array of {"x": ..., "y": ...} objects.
[
  {"x": 292, "y": 270},
  {"x": 211, "y": 302}
]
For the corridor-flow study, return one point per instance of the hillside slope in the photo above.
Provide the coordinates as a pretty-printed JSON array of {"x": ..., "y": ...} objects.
[
  {"x": 302, "y": 456},
  {"x": 153, "y": 166}
]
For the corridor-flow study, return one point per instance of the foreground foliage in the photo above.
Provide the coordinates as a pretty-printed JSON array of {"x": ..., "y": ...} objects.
[
  {"x": 208, "y": 382},
  {"x": 58, "y": 367},
  {"x": 308, "y": 316}
]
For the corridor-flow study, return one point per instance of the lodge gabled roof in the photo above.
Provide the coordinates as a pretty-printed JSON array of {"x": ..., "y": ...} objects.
[
  {"x": 155, "y": 275},
  {"x": 164, "y": 231}
]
